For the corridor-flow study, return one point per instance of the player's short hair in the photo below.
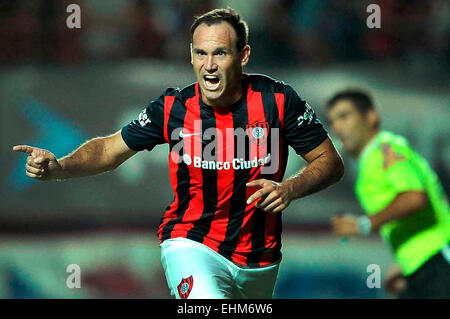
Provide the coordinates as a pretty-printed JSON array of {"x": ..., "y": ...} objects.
[
  {"x": 361, "y": 100},
  {"x": 229, "y": 15}
]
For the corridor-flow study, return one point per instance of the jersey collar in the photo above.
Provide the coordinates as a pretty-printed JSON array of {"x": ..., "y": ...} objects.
[
  {"x": 371, "y": 145},
  {"x": 245, "y": 84}
]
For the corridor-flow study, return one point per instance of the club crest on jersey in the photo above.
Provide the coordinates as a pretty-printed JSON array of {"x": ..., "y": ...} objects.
[
  {"x": 257, "y": 132},
  {"x": 185, "y": 287}
]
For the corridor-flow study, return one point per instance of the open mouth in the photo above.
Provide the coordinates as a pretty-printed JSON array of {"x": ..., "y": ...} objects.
[{"x": 211, "y": 82}]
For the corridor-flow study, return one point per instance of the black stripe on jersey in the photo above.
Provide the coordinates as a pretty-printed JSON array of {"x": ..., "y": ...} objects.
[
  {"x": 202, "y": 226},
  {"x": 278, "y": 230},
  {"x": 279, "y": 225},
  {"x": 277, "y": 123},
  {"x": 285, "y": 152},
  {"x": 178, "y": 112},
  {"x": 261, "y": 83},
  {"x": 238, "y": 198},
  {"x": 258, "y": 238},
  {"x": 259, "y": 217}
]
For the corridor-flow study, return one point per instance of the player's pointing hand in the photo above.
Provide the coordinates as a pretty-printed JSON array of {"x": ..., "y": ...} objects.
[
  {"x": 275, "y": 197},
  {"x": 41, "y": 164}
]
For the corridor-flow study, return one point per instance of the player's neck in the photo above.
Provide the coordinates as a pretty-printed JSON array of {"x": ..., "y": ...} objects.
[{"x": 370, "y": 137}]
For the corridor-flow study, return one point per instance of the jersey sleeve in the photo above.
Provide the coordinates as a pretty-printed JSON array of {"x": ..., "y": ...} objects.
[
  {"x": 401, "y": 170},
  {"x": 147, "y": 130},
  {"x": 303, "y": 130}
]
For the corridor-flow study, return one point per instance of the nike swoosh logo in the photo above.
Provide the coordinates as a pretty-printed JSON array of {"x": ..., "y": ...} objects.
[{"x": 186, "y": 135}]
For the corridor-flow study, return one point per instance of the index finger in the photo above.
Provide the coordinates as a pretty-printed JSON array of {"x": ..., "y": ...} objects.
[
  {"x": 257, "y": 195},
  {"x": 23, "y": 148},
  {"x": 256, "y": 183}
]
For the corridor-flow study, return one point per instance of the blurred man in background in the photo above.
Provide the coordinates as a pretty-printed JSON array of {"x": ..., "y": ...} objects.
[
  {"x": 221, "y": 236},
  {"x": 400, "y": 193}
]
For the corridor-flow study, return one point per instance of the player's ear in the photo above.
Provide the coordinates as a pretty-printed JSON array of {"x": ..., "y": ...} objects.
[
  {"x": 192, "y": 61},
  {"x": 245, "y": 55},
  {"x": 373, "y": 119}
]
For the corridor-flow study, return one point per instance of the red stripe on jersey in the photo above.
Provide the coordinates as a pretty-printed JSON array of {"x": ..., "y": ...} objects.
[
  {"x": 279, "y": 100},
  {"x": 193, "y": 148},
  {"x": 271, "y": 219},
  {"x": 168, "y": 103},
  {"x": 225, "y": 176},
  {"x": 256, "y": 113}
]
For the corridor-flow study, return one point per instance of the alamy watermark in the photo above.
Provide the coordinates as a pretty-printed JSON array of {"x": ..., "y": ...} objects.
[
  {"x": 374, "y": 19},
  {"x": 73, "y": 21},
  {"x": 74, "y": 279},
  {"x": 374, "y": 279}
]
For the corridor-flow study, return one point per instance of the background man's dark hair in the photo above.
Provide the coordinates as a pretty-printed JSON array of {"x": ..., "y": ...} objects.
[
  {"x": 361, "y": 100},
  {"x": 228, "y": 15}
]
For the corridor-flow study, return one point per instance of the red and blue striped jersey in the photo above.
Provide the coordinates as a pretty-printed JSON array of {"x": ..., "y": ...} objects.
[{"x": 215, "y": 151}]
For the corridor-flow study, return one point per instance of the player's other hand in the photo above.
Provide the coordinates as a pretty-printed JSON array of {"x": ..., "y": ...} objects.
[
  {"x": 41, "y": 164},
  {"x": 345, "y": 225},
  {"x": 274, "y": 197},
  {"x": 395, "y": 283}
]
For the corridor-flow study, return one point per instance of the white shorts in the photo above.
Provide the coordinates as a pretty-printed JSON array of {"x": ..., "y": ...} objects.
[{"x": 195, "y": 271}]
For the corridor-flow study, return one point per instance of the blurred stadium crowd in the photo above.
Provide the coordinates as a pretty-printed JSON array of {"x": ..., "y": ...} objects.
[{"x": 305, "y": 32}]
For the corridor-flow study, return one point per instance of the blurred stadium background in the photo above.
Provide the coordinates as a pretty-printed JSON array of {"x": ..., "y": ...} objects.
[{"x": 60, "y": 86}]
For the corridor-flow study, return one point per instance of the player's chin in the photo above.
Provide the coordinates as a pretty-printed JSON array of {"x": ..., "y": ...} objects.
[{"x": 213, "y": 95}]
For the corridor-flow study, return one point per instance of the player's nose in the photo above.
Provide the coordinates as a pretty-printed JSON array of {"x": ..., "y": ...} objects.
[{"x": 210, "y": 64}]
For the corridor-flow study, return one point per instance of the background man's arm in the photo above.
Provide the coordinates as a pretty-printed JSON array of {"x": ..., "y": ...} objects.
[
  {"x": 403, "y": 205},
  {"x": 95, "y": 156}
]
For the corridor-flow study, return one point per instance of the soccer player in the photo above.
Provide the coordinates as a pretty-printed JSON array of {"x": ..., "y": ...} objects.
[
  {"x": 399, "y": 192},
  {"x": 228, "y": 135}
]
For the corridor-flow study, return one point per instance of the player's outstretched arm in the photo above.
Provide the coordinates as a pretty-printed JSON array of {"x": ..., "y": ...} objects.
[{"x": 95, "y": 156}]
